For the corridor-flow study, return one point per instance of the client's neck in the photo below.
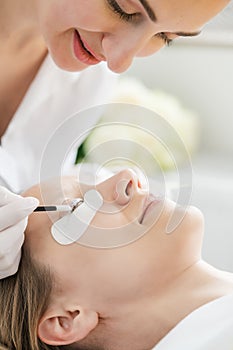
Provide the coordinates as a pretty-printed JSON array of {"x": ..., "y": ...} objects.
[
  {"x": 143, "y": 324},
  {"x": 154, "y": 317},
  {"x": 196, "y": 286}
]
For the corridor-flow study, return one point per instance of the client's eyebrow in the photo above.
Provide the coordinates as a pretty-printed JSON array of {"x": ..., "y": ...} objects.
[{"x": 149, "y": 10}]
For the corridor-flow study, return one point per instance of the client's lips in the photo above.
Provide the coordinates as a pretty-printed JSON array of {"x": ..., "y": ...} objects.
[
  {"x": 150, "y": 200},
  {"x": 82, "y": 51}
]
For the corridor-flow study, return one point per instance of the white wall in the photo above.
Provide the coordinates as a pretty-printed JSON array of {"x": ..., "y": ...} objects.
[{"x": 202, "y": 77}]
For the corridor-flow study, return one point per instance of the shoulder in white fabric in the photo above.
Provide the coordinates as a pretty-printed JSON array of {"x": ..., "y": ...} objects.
[{"x": 71, "y": 227}]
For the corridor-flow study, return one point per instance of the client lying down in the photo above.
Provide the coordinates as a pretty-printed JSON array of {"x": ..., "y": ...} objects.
[{"x": 155, "y": 290}]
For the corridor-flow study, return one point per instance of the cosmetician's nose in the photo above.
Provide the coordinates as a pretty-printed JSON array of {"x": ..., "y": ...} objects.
[
  {"x": 120, "y": 49},
  {"x": 121, "y": 187}
]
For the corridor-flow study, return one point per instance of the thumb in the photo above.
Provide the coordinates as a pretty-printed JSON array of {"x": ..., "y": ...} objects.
[{"x": 16, "y": 211}]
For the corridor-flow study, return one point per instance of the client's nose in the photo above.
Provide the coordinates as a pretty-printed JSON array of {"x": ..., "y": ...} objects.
[
  {"x": 126, "y": 184},
  {"x": 120, "y": 188}
]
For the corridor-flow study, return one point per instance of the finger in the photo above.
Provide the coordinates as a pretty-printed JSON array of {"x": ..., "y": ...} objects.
[
  {"x": 14, "y": 212},
  {"x": 11, "y": 240},
  {"x": 7, "y": 196},
  {"x": 10, "y": 265}
]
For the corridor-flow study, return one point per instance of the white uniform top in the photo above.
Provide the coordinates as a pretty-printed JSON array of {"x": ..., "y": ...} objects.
[
  {"x": 210, "y": 327},
  {"x": 51, "y": 99}
]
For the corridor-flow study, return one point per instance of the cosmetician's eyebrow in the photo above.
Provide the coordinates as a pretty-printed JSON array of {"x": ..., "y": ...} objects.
[
  {"x": 149, "y": 10},
  {"x": 188, "y": 34}
]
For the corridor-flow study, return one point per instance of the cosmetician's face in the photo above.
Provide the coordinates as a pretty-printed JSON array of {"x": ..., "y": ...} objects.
[
  {"x": 80, "y": 33},
  {"x": 103, "y": 278}
]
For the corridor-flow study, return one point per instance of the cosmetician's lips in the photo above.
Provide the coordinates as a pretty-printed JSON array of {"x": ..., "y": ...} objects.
[
  {"x": 150, "y": 202},
  {"x": 82, "y": 52}
]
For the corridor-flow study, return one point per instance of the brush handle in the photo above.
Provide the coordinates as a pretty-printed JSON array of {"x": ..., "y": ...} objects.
[{"x": 43, "y": 208}]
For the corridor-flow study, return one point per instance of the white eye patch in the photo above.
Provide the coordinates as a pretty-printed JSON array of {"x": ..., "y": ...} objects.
[{"x": 72, "y": 226}]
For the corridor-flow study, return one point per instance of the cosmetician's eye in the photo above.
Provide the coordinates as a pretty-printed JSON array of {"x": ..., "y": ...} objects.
[
  {"x": 165, "y": 38},
  {"x": 128, "y": 17}
]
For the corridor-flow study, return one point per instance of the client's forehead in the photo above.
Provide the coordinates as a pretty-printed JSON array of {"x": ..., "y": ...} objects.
[{"x": 55, "y": 191}]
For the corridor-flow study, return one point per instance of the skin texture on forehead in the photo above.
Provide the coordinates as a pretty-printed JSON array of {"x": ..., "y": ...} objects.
[{"x": 187, "y": 12}]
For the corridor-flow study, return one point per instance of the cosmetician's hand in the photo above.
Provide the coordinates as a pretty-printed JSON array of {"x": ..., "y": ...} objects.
[{"x": 14, "y": 210}]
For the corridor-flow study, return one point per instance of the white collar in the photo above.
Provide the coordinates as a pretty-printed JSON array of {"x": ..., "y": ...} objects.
[{"x": 210, "y": 327}]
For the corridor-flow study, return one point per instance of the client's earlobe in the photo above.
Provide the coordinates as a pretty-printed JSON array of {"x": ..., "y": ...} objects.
[{"x": 66, "y": 327}]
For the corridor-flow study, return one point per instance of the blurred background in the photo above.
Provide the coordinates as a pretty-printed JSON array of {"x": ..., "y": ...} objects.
[{"x": 190, "y": 84}]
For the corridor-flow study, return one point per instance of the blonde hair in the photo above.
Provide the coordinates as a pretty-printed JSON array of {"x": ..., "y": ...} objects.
[{"x": 23, "y": 299}]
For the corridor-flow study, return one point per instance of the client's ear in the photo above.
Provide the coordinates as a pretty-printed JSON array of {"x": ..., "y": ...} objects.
[{"x": 59, "y": 327}]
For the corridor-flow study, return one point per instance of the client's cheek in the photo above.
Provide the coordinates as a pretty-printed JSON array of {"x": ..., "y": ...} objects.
[{"x": 110, "y": 217}]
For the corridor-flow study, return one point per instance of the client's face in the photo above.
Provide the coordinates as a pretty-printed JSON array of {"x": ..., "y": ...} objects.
[{"x": 114, "y": 283}]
